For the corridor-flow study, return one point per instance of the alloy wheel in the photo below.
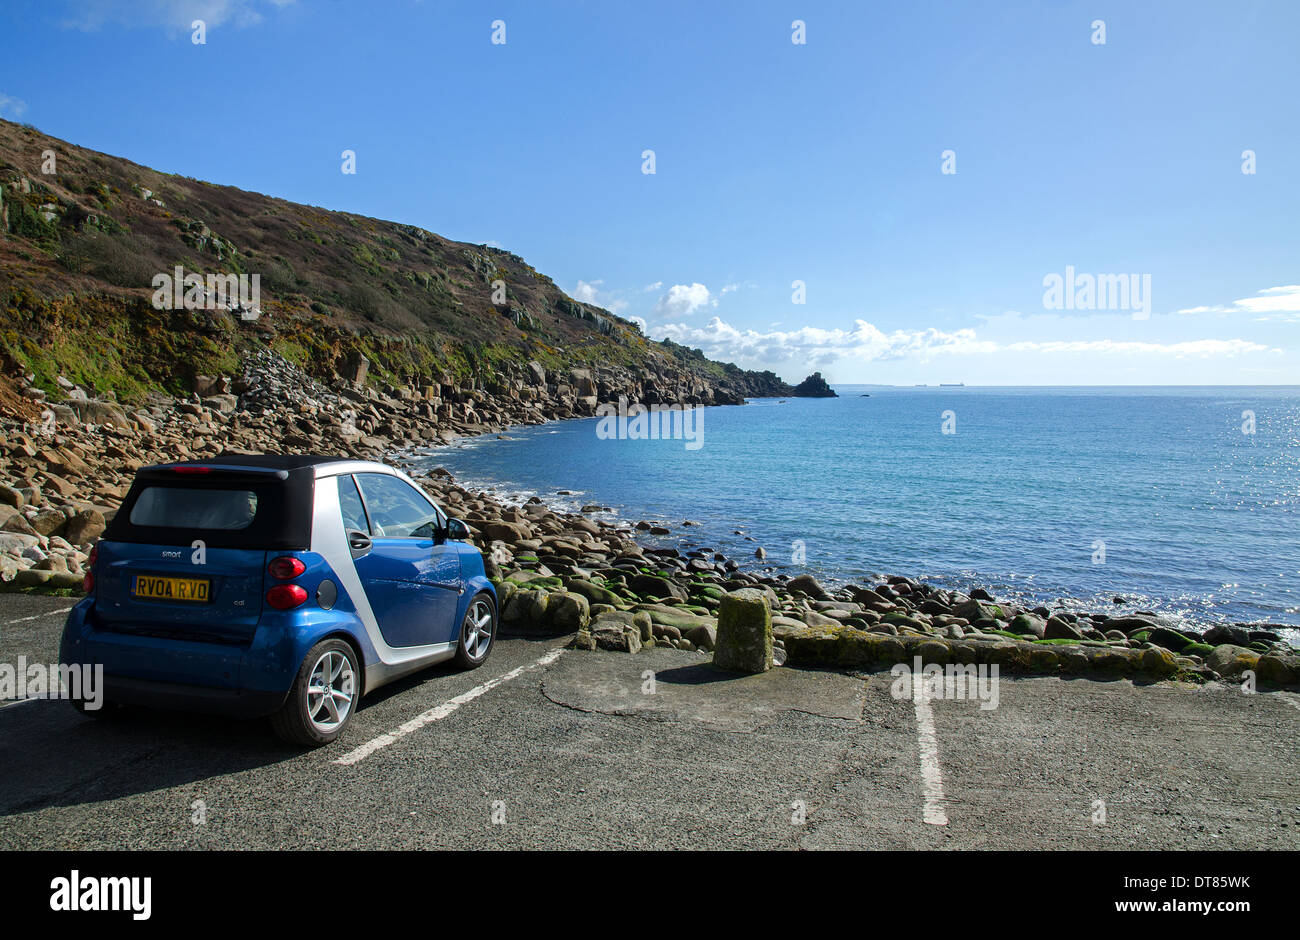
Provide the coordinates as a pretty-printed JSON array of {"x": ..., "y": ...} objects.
[
  {"x": 330, "y": 691},
  {"x": 478, "y": 629}
]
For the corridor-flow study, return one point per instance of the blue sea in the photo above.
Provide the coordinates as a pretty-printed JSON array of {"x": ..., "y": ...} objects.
[{"x": 1185, "y": 501}]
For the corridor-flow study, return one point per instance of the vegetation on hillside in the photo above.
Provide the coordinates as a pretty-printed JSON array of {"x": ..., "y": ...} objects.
[{"x": 84, "y": 243}]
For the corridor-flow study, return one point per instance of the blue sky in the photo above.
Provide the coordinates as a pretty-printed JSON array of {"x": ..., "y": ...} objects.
[{"x": 775, "y": 162}]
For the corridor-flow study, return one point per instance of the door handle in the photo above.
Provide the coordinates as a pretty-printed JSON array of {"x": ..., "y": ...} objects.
[{"x": 359, "y": 542}]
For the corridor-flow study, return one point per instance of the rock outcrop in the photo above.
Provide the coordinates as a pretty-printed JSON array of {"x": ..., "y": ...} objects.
[{"x": 814, "y": 387}]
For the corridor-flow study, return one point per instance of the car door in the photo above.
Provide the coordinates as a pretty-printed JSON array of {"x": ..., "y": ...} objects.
[{"x": 411, "y": 577}]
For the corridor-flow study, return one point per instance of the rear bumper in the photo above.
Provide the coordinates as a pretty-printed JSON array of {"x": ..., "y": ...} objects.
[
  {"x": 220, "y": 678},
  {"x": 238, "y": 703}
]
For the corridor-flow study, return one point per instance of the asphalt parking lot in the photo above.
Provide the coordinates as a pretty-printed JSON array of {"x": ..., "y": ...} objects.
[{"x": 545, "y": 748}]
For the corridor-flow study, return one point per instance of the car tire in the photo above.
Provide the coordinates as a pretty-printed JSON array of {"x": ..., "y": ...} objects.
[
  {"x": 474, "y": 645},
  {"x": 329, "y": 674}
]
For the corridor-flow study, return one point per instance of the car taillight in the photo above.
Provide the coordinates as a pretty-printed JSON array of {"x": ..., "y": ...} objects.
[
  {"x": 286, "y": 568},
  {"x": 88, "y": 582},
  {"x": 286, "y": 596},
  {"x": 191, "y": 469}
]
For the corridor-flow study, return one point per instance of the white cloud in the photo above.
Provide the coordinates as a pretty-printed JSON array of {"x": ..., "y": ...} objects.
[
  {"x": 653, "y": 287},
  {"x": 12, "y": 107},
  {"x": 586, "y": 292},
  {"x": 865, "y": 342},
  {"x": 682, "y": 300},
  {"x": 1272, "y": 303},
  {"x": 589, "y": 292},
  {"x": 1274, "y": 300}
]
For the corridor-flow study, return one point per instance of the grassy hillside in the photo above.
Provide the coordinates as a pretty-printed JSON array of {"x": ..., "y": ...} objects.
[{"x": 82, "y": 246}]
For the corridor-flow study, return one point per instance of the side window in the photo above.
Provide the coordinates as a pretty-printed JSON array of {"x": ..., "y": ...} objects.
[
  {"x": 397, "y": 510},
  {"x": 354, "y": 514}
]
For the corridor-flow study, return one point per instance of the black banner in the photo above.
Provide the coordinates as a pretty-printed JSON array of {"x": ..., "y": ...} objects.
[{"x": 225, "y": 890}]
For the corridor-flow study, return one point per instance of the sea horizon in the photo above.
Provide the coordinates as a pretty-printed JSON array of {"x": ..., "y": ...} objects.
[{"x": 840, "y": 385}]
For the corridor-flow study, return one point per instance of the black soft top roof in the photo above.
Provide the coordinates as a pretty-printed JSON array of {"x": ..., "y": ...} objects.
[
  {"x": 284, "y": 484},
  {"x": 261, "y": 461},
  {"x": 279, "y": 461}
]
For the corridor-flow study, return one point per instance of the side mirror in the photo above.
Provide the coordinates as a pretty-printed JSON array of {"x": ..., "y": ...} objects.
[{"x": 457, "y": 530}]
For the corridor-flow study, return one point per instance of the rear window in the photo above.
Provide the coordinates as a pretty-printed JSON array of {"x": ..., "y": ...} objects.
[
  {"x": 223, "y": 508},
  {"x": 210, "y": 509}
]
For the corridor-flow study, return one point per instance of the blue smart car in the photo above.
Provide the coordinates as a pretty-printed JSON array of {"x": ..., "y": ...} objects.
[{"x": 287, "y": 586}]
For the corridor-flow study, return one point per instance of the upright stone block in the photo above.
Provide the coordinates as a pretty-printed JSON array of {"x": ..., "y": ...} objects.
[{"x": 744, "y": 642}]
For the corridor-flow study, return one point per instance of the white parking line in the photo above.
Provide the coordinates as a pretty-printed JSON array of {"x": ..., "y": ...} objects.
[
  {"x": 48, "y": 613},
  {"x": 443, "y": 710},
  {"x": 931, "y": 776}
]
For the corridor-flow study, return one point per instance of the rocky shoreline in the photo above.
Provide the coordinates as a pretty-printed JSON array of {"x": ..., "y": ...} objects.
[
  {"x": 65, "y": 466},
  {"x": 566, "y": 573}
]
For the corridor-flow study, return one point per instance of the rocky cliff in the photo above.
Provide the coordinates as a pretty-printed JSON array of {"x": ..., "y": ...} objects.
[{"x": 473, "y": 332}]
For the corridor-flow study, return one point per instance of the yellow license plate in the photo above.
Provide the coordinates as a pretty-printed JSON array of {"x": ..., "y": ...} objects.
[{"x": 150, "y": 587}]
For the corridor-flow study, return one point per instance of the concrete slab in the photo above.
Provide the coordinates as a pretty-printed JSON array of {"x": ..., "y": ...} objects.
[{"x": 675, "y": 686}]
